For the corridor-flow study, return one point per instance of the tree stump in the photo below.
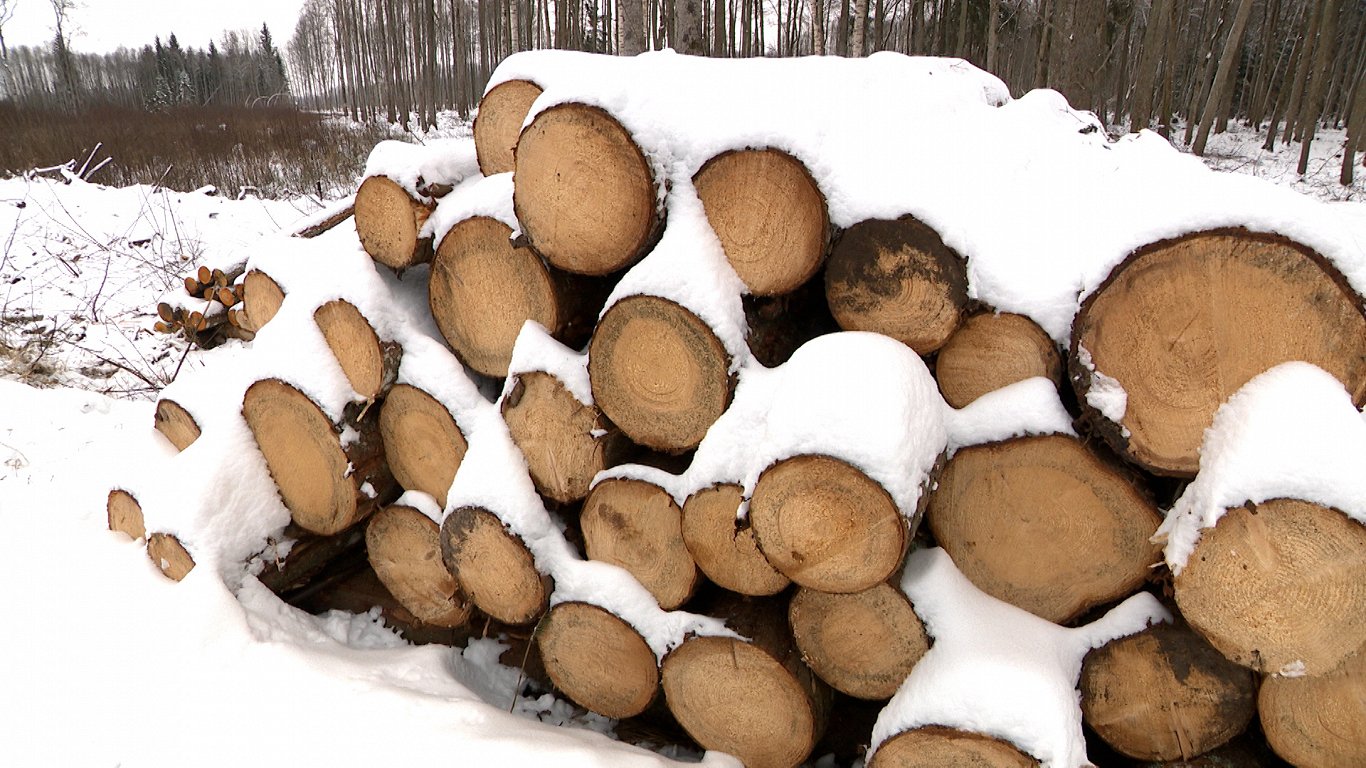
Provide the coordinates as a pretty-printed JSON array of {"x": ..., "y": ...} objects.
[
  {"x": 494, "y": 568},
  {"x": 933, "y": 746},
  {"x": 389, "y": 222},
  {"x": 658, "y": 372},
  {"x": 583, "y": 191},
  {"x": 501, "y": 113},
  {"x": 863, "y": 644},
  {"x": 990, "y": 351},
  {"x": 404, "y": 548},
  {"x": 565, "y": 442},
  {"x": 723, "y": 548},
  {"x": 598, "y": 660},
  {"x": 1165, "y": 694},
  {"x": 636, "y": 525},
  {"x": 169, "y": 555},
  {"x": 897, "y": 278},
  {"x": 1317, "y": 721},
  {"x": 1279, "y": 587},
  {"x": 1182, "y": 324},
  {"x": 769, "y": 215},
  {"x": 261, "y": 299},
  {"x": 327, "y": 486},
  {"x": 1045, "y": 524},
  {"x": 370, "y": 365},
  {"x": 422, "y": 442},
  {"x": 125, "y": 514},
  {"x": 172, "y": 420},
  {"x": 826, "y": 525}
]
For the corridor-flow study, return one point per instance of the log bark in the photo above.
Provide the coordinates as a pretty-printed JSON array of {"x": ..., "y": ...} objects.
[
  {"x": 261, "y": 299},
  {"x": 172, "y": 420},
  {"x": 1182, "y": 324},
  {"x": 723, "y": 547},
  {"x": 753, "y": 699},
  {"x": 826, "y": 525},
  {"x": 769, "y": 215},
  {"x": 565, "y": 442},
  {"x": 658, "y": 372},
  {"x": 863, "y": 644},
  {"x": 636, "y": 525},
  {"x": 1279, "y": 586},
  {"x": 389, "y": 222},
  {"x": 404, "y": 547},
  {"x": 598, "y": 660},
  {"x": 933, "y": 746},
  {"x": 309, "y": 560},
  {"x": 370, "y": 365},
  {"x": 1165, "y": 694},
  {"x": 422, "y": 442},
  {"x": 125, "y": 514},
  {"x": 326, "y": 485},
  {"x": 493, "y": 566},
  {"x": 583, "y": 191},
  {"x": 501, "y": 113},
  {"x": 780, "y": 325},
  {"x": 897, "y": 278},
  {"x": 990, "y": 351},
  {"x": 1003, "y": 509},
  {"x": 1317, "y": 721},
  {"x": 483, "y": 290},
  {"x": 169, "y": 555}
]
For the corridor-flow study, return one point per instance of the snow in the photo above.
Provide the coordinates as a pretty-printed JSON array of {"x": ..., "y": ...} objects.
[
  {"x": 1105, "y": 394},
  {"x": 416, "y": 167},
  {"x": 489, "y": 196},
  {"x": 1028, "y": 407},
  {"x": 537, "y": 351},
  {"x": 1291, "y": 432}
]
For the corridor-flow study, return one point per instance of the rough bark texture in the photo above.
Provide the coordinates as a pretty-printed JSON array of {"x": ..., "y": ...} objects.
[
  {"x": 636, "y": 525},
  {"x": 863, "y": 644},
  {"x": 493, "y": 566},
  {"x": 990, "y": 351},
  {"x": 370, "y": 365},
  {"x": 724, "y": 548},
  {"x": 172, "y": 420},
  {"x": 933, "y": 746},
  {"x": 598, "y": 660},
  {"x": 565, "y": 442},
  {"x": 1183, "y": 324},
  {"x": 501, "y": 114},
  {"x": 1279, "y": 586},
  {"x": 1317, "y": 721},
  {"x": 404, "y": 547},
  {"x": 389, "y": 222},
  {"x": 422, "y": 442}
]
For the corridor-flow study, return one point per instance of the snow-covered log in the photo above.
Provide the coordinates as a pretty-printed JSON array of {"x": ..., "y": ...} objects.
[
  {"x": 502, "y": 111},
  {"x": 565, "y": 441},
  {"x": 863, "y": 644},
  {"x": 369, "y": 363},
  {"x": 389, "y": 222},
  {"x": 177, "y": 424},
  {"x": 992, "y": 350},
  {"x": 125, "y": 514},
  {"x": 403, "y": 543},
  {"x": 422, "y": 441},
  {"x": 261, "y": 299},
  {"x": 494, "y": 567}
]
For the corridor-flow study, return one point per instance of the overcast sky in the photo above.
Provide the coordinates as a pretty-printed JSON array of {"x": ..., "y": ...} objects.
[{"x": 104, "y": 25}]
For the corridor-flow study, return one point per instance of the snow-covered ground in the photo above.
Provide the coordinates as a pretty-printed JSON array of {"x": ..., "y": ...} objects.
[{"x": 105, "y": 662}]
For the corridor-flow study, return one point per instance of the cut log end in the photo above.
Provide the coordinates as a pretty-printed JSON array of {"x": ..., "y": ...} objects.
[
  {"x": 501, "y": 113},
  {"x": 636, "y": 525},
  {"x": 863, "y": 644},
  {"x": 404, "y": 548},
  {"x": 389, "y": 222},
  {"x": 724, "y": 550},
  {"x": 1318, "y": 720},
  {"x": 1279, "y": 586},
  {"x": 658, "y": 372},
  {"x": 261, "y": 300},
  {"x": 769, "y": 215},
  {"x": 990, "y": 351},
  {"x": 565, "y": 442},
  {"x": 1182, "y": 324},
  {"x": 496, "y": 570},
  {"x": 169, "y": 555},
  {"x": 583, "y": 191},
  {"x": 370, "y": 365},
  {"x": 935, "y": 746},
  {"x": 172, "y": 420},
  {"x": 125, "y": 514},
  {"x": 897, "y": 278},
  {"x": 422, "y": 442},
  {"x": 598, "y": 660},
  {"x": 826, "y": 525}
]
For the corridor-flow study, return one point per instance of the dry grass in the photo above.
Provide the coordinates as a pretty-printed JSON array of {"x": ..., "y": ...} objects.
[{"x": 275, "y": 151}]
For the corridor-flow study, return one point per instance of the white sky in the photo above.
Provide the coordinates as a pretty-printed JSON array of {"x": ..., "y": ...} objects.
[{"x": 105, "y": 25}]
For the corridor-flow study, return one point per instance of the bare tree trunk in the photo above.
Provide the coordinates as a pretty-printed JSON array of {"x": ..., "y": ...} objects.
[
  {"x": 1201, "y": 89},
  {"x": 1154, "y": 40},
  {"x": 1313, "y": 107},
  {"x": 1356, "y": 123},
  {"x": 993, "y": 36},
  {"x": 1046, "y": 14},
  {"x": 632, "y": 25},
  {"x": 1261, "y": 87},
  {"x": 858, "y": 43},
  {"x": 1302, "y": 72},
  {"x": 1223, "y": 79}
]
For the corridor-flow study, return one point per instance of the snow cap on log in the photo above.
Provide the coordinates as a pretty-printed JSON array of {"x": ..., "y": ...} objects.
[
  {"x": 1291, "y": 432},
  {"x": 424, "y": 170},
  {"x": 1029, "y": 407},
  {"x": 489, "y": 196}
]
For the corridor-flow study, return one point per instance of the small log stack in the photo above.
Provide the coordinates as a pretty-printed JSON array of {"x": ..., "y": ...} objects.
[{"x": 1059, "y": 525}]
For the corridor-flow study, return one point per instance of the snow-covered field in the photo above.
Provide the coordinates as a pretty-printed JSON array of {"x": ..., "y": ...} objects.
[{"x": 103, "y": 661}]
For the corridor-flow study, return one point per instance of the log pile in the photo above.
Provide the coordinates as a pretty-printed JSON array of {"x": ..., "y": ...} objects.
[{"x": 665, "y": 457}]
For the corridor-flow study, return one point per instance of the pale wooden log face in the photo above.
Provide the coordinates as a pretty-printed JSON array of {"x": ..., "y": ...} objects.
[
  {"x": 501, "y": 114},
  {"x": 176, "y": 424},
  {"x": 482, "y": 290},
  {"x": 636, "y": 526},
  {"x": 421, "y": 441},
  {"x": 1043, "y": 524},
  {"x": 1165, "y": 694},
  {"x": 404, "y": 547},
  {"x": 826, "y": 525},
  {"x": 125, "y": 514},
  {"x": 261, "y": 299},
  {"x": 1278, "y": 584},
  {"x": 354, "y": 344},
  {"x": 388, "y": 221},
  {"x": 1182, "y": 325},
  {"x": 991, "y": 351},
  {"x": 583, "y": 192},
  {"x": 733, "y": 697},
  {"x": 863, "y": 644},
  {"x": 555, "y": 433},
  {"x": 897, "y": 278},
  {"x": 658, "y": 372},
  {"x": 304, "y": 455},
  {"x": 768, "y": 214},
  {"x": 1317, "y": 721},
  {"x": 598, "y": 660},
  {"x": 934, "y": 747},
  {"x": 493, "y": 566},
  {"x": 727, "y": 554},
  {"x": 169, "y": 555}
]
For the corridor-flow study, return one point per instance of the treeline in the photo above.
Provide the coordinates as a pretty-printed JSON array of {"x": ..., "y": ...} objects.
[
  {"x": 1189, "y": 65},
  {"x": 246, "y": 69}
]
